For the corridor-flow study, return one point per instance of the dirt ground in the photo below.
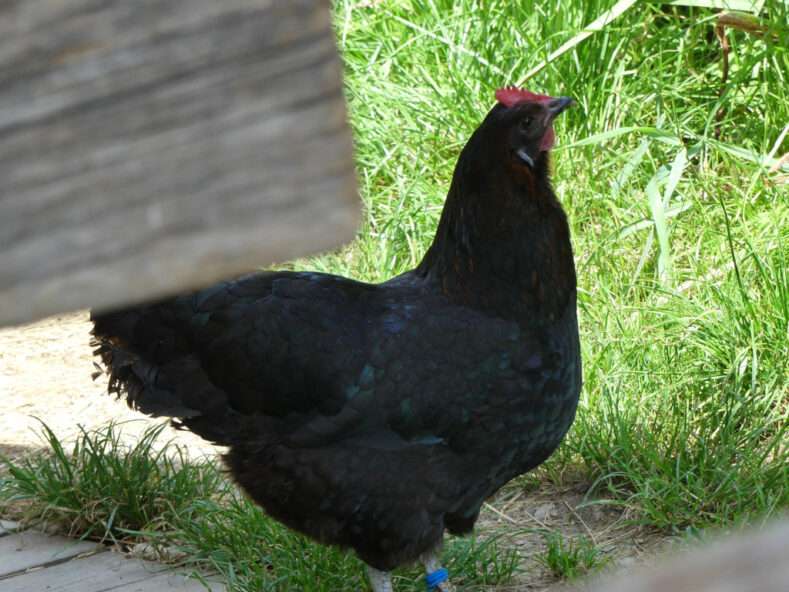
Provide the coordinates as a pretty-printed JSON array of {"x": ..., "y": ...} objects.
[{"x": 46, "y": 372}]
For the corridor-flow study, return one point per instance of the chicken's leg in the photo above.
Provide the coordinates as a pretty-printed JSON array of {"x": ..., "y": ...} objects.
[
  {"x": 380, "y": 580},
  {"x": 430, "y": 562}
]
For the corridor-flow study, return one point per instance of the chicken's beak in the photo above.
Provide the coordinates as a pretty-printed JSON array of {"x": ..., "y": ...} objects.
[{"x": 556, "y": 106}]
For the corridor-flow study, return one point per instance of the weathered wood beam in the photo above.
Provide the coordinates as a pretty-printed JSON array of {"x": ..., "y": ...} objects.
[
  {"x": 147, "y": 147},
  {"x": 753, "y": 562}
]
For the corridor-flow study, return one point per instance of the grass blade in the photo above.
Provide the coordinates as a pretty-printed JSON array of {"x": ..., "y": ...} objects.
[
  {"x": 598, "y": 24},
  {"x": 661, "y": 230}
]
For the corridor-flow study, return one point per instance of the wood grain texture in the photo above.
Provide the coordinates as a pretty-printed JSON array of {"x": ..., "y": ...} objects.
[
  {"x": 147, "y": 147},
  {"x": 30, "y": 548},
  {"x": 106, "y": 571}
]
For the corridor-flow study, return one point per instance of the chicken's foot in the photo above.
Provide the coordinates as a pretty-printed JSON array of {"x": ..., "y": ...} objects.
[
  {"x": 380, "y": 580},
  {"x": 430, "y": 562}
]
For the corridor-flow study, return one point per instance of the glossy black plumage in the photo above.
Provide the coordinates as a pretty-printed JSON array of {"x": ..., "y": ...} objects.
[{"x": 377, "y": 416}]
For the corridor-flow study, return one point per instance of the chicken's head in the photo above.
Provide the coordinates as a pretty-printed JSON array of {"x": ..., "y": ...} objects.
[{"x": 535, "y": 113}]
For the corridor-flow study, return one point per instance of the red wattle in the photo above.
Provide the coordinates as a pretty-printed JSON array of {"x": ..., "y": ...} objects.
[{"x": 548, "y": 140}]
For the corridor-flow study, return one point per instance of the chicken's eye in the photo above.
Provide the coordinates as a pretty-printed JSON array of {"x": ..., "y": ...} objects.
[{"x": 527, "y": 122}]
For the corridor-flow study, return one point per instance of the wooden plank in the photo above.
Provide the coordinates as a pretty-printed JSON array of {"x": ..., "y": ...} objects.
[
  {"x": 30, "y": 548},
  {"x": 756, "y": 562},
  {"x": 147, "y": 147},
  {"x": 105, "y": 572},
  {"x": 171, "y": 581}
]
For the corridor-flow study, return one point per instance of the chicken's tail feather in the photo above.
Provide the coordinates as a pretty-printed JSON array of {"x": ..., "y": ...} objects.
[{"x": 174, "y": 386}]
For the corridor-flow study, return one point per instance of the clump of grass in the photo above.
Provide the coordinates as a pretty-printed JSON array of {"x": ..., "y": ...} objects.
[
  {"x": 253, "y": 552},
  {"x": 569, "y": 560},
  {"x": 100, "y": 487},
  {"x": 476, "y": 561},
  {"x": 705, "y": 445}
]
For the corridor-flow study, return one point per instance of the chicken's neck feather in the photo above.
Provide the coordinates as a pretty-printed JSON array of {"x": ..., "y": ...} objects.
[{"x": 503, "y": 245}]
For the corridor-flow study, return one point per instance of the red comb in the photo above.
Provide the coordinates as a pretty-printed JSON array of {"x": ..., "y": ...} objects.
[{"x": 512, "y": 95}]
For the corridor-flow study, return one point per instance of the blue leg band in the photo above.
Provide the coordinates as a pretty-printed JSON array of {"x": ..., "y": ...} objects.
[{"x": 434, "y": 579}]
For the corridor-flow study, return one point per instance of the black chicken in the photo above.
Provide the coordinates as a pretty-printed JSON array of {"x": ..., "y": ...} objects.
[{"x": 375, "y": 416}]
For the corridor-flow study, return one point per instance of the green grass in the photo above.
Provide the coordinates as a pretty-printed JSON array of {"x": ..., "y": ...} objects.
[
  {"x": 569, "y": 560},
  {"x": 681, "y": 238},
  {"x": 99, "y": 488}
]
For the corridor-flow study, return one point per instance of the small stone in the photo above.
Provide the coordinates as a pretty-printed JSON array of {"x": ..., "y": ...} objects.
[
  {"x": 543, "y": 511},
  {"x": 624, "y": 562}
]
